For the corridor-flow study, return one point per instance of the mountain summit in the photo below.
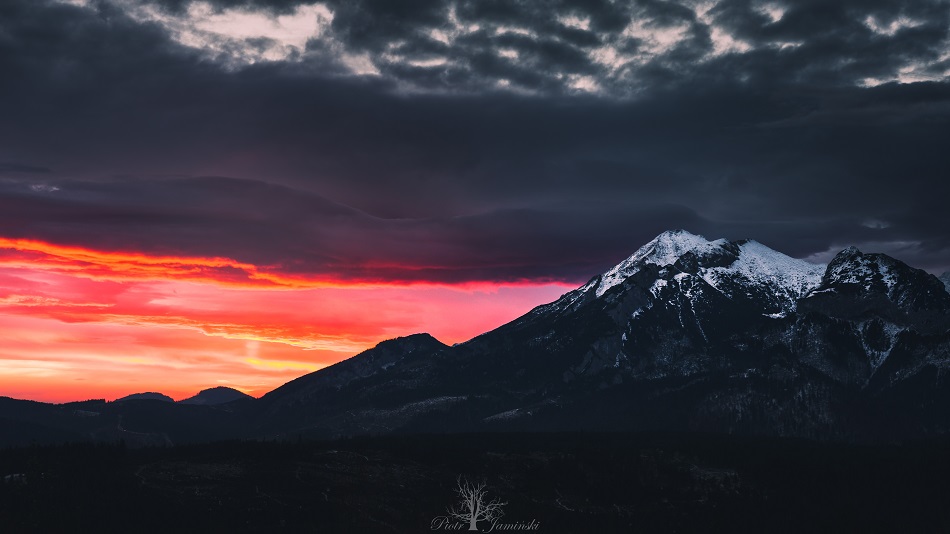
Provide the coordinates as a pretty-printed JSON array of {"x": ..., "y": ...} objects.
[
  {"x": 719, "y": 263},
  {"x": 689, "y": 263}
]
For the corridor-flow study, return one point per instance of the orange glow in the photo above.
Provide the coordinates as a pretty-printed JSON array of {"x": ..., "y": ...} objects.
[
  {"x": 80, "y": 323},
  {"x": 135, "y": 266}
]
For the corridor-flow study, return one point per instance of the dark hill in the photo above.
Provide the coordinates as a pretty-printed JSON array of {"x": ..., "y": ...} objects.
[
  {"x": 215, "y": 396},
  {"x": 146, "y": 396}
]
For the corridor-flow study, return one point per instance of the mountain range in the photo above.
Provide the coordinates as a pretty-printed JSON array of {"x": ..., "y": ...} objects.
[
  {"x": 207, "y": 397},
  {"x": 685, "y": 335}
]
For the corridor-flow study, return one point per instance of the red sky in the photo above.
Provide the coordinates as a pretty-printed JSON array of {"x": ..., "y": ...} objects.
[{"x": 80, "y": 323}]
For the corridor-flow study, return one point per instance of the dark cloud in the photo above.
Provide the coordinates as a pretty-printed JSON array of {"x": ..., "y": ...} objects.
[
  {"x": 12, "y": 167},
  {"x": 626, "y": 47},
  {"x": 305, "y": 233},
  {"x": 433, "y": 162}
]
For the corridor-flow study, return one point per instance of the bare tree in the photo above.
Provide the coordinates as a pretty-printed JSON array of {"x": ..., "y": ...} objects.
[{"x": 474, "y": 505}]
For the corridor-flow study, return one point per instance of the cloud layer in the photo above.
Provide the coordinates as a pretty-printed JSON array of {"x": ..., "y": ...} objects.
[{"x": 741, "y": 119}]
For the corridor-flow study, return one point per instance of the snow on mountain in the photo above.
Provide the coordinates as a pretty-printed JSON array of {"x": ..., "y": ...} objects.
[
  {"x": 664, "y": 250},
  {"x": 784, "y": 277},
  {"x": 862, "y": 280},
  {"x": 741, "y": 269},
  {"x": 945, "y": 278},
  {"x": 759, "y": 263},
  {"x": 851, "y": 266}
]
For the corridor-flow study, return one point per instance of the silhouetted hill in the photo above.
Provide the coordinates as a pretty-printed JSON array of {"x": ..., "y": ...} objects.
[
  {"x": 147, "y": 396},
  {"x": 216, "y": 395}
]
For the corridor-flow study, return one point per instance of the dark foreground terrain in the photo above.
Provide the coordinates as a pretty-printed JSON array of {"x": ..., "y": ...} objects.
[{"x": 563, "y": 482}]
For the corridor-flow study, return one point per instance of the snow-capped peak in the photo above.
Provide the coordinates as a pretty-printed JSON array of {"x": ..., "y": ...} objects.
[
  {"x": 663, "y": 250},
  {"x": 741, "y": 269}
]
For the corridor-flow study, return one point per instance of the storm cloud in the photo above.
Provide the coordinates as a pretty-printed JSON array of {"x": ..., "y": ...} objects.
[{"x": 470, "y": 141}]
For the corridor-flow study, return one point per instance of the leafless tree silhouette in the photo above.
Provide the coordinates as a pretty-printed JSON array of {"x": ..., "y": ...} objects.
[{"x": 474, "y": 505}]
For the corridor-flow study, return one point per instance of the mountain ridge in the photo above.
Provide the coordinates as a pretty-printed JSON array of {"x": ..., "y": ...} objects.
[{"x": 713, "y": 327}]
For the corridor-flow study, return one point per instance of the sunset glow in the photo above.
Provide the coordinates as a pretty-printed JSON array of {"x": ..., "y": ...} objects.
[{"x": 81, "y": 323}]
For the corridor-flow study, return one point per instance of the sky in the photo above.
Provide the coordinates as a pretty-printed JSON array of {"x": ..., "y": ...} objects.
[{"x": 238, "y": 192}]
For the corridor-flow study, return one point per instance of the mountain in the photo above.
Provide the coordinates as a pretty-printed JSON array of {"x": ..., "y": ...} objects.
[
  {"x": 146, "y": 396},
  {"x": 355, "y": 396},
  {"x": 945, "y": 278},
  {"x": 215, "y": 396},
  {"x": 684, "y": 335},
  {"x": 137, "y": 422}
]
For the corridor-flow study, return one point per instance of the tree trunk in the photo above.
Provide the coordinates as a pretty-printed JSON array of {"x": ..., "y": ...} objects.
[{"x": 473, "y": 522}]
